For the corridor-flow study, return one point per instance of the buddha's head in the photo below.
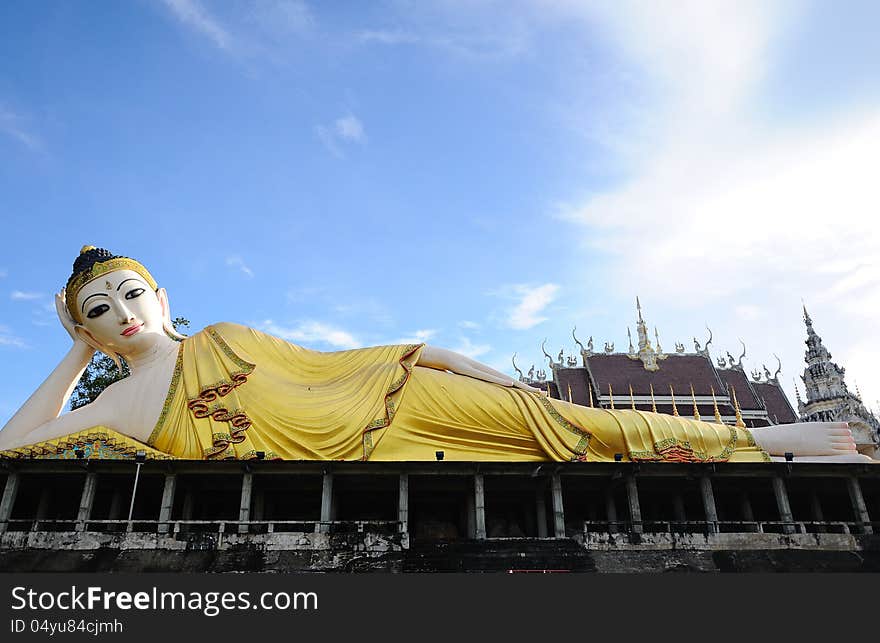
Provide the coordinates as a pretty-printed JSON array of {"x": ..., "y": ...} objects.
[{"x": 116, "y": 303}]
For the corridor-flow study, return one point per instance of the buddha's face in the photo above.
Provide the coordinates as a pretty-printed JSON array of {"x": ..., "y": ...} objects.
[{"x": 120, "y": 311}]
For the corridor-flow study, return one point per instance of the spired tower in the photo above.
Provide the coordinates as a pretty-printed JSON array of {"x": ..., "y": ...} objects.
[{"x": 829, "y": 400}]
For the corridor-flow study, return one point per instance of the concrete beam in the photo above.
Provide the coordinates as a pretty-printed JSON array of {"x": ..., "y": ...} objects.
[
  {"x": 558, "y": 509},
  {"x": 167, "y": 502},
  {"x": 244, "y": 508},
  {"x": 87, "y": 499},
  {"x": 10, "y": 491},
  {"x": 479, "y": 507},
  {"x": 635, "y": 510},
  {"x": 708, "y": 495},
  {"x": 860, "y": 509},
  {"x": 781, "y": 494}
]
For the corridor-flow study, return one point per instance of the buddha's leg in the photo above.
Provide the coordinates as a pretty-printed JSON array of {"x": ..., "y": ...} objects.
[{"x": 465, "y": 418}]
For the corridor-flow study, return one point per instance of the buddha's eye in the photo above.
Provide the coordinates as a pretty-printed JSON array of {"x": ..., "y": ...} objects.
[
  {"x": 97, "y": 311},
  {"x": 134, "y": 292}
]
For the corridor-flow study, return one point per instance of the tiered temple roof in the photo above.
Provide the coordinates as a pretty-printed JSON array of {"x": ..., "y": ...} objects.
[{"x": 646, "y": 378}]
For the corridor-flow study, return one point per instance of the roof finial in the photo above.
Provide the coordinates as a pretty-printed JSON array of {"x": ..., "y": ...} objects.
[
  {"x": 569, "y": 393},
  {"x": 611, "y": 395},
  {"x": 694, "y": 398},
  {"x": 632, "y": 349},
  {"x": 632, "y": 400},
  {"x": 653, "y": 404},
  {"x": 715, "y": 406},
  {"x": 590, "y": 388},
  {"x": 639, "y": 308},
  {"x": 740, "y": 362},
  {"x": 739, "y": 417},
  {"x": 674, "y": 408},
  {"x": 549, "y": 394},
  {"x": 657, "y": 337},
  {"x": 516, "y": 368},
  {"x": 546, "y": 354},
  {"x": 797, "y": 392},
  {"x": 778, "y": 370}
]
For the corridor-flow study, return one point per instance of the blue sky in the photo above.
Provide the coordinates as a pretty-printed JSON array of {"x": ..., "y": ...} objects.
[{"x": 479, "y": 175}]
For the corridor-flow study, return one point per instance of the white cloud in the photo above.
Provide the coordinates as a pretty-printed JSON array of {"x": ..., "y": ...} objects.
[
  {"x": 418, "y": 337},
  {"x": 237, "y": 262},
  {"x": 532, "y": 302},
  {"x": 312, "y": 332},
  {"x": 192, "y": 14},
  {"x": 468, "y": 348},
  {"x": 347, "y": 129},
  {"x": 8, "y": 338},
  {"x": 18, "y": 295},
  {"x": 744, "y": 215},
  {"x": 3, "y": 273},
  {"x": 469, "y": 325},
  {"x": 13, "y": 125}
]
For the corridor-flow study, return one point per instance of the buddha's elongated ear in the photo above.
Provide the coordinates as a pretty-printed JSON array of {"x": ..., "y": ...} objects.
[{"x": 162, "y": 294}]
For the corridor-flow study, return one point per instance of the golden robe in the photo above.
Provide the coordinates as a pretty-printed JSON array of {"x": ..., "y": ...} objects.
[{"x": 236, "y": 391}]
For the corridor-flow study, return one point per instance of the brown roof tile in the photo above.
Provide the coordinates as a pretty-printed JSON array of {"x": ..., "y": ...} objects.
[
  {"x": 678, "y": 370},
  {"x": 779, "y": 409},
  {"x": 745, "y": 395}
]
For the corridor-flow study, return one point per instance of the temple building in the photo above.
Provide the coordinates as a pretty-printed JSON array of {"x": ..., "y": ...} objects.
[
  {"x": 646, "y": 378},
  {"x": 684, "y": 383},
  {"x": 829, "y": 399}
]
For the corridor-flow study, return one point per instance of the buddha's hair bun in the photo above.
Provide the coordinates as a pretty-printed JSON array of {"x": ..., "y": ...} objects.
[{"x": 88, "y": 257}]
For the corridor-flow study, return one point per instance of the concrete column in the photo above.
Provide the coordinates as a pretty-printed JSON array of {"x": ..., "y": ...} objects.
[
  {"x": 326, "y": 502},
  {"x": 479, "y": 507},
  {"x": 167, "y": 501},
  {"x": 244, "y": 508},
  {"x": 635, "y": 511},
  {"x": 782, "y": 503},
  {"x": 558, "y": 510},
  {"x": 115, "y": 505},
  {"x": 816, "y": 507},
  {"x": 541, "y": 513},
  {"x": 678, "y": 508},
  {"x": 10, "y": 491},
  {"x": 858, "y": 502},
  {"x": 610, "y": 510},
  {"x": 86, "y": 501},
  {"x": 708, "y": 495},
  {"x": 403, "y": 503},
  {"x": 188, "y": 502},
  {"x": 471, "y": 516}
]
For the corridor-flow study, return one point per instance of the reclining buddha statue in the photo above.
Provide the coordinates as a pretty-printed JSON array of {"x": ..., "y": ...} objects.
[{"x": 230, "y": 391}]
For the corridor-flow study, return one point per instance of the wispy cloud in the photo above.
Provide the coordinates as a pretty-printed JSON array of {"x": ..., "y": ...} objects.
[
  {"x": 532, "y": 300},
  {"x": 310, "y": 332},
  {"x": 18, "y": 295},
  {"x": 192, "y": 14},
  {"x": 14, "y": 125},
  {"x": 238, "y": 263},
  {"x": 3, "y": 273},
  {"x": 8, "y": 338},
  {"x": 466, "y": 347},
  {"x": 418, "y": 337},
  {"x": 347, "y": 129},
  {"x": 469, "y": 325}
]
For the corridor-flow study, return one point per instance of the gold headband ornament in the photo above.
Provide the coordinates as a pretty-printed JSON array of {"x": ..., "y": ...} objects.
[{"x": 95, "y": 269}]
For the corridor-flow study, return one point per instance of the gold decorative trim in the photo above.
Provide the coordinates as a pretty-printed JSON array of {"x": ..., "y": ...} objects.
[
  {"x": 123, "y": 446},
  {"x": 102, "y": 268},
  {"x": 584, "y": 441},
  {"x": 388, "y": 402},
  {"x": 169, "y": 398}
]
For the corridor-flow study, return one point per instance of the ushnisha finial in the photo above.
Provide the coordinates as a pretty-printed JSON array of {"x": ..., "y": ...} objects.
[
  {"x": 674, "y": 408},
  {"x": 694, "y": 399},
  {"x": 739, "y": 417},
  {"x": 632, "y": 400},
  {"x": 715, "y": 406},
  {"x": 653, "y": 404},
  {"x": 85, "y": 249},
  {"x": 611, "y": 395}
]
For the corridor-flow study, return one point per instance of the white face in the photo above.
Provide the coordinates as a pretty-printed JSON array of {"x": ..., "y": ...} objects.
[{"x": 121, "y": 311}]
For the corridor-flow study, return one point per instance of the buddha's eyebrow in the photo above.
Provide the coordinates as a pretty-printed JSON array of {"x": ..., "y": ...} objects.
[
  {"x": 129, "y": 279},
  {"x": 97, "y": 294}
]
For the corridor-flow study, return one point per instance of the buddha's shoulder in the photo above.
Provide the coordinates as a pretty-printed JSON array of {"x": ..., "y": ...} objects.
[{"x": 235, "y": 335}]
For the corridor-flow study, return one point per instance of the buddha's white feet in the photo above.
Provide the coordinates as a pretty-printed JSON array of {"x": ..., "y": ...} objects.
[{"x": 809, "y": 439}]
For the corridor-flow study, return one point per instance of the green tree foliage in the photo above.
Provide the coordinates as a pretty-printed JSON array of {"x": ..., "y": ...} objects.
[{"x": 102, "y": 372}]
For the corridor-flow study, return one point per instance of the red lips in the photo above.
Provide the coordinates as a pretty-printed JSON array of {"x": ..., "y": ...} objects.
[{"x": 131, "y": 330}]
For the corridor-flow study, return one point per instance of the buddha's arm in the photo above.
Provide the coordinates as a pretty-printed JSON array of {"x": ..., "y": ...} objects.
[
  {"x": 49, "y": 399},
  {"x": 446, "y": 360}
]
